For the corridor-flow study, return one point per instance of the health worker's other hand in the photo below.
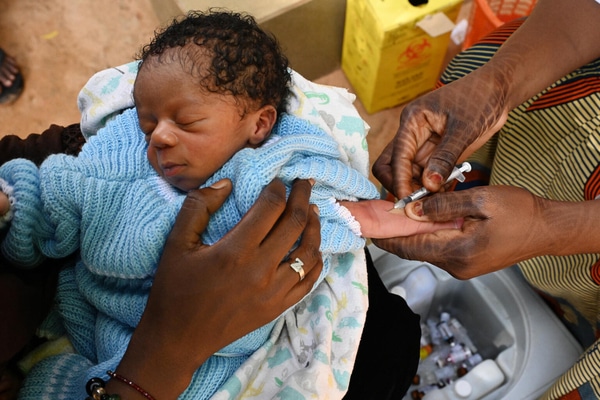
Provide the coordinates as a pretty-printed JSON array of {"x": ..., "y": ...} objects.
[
  {"x": 439, "y": 130},
  {"x": 205, "y": 297},
  {"x": 502, "y": 226}
]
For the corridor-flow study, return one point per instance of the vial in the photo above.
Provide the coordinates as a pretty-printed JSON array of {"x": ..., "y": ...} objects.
[
  {"x": 439, "y": 375},
  {"x": 458, "y": 354},
  {"x": 434, "y": 333}
]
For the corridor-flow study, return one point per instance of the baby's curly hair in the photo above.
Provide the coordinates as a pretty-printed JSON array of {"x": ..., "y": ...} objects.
[{"x": 247, "y": 62}]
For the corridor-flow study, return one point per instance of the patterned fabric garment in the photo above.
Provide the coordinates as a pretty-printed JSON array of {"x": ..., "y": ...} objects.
[{"x": 550, "y": 145}]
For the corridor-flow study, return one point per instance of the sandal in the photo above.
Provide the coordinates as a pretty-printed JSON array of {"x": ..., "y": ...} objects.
[{"x": 8, "y": 69}]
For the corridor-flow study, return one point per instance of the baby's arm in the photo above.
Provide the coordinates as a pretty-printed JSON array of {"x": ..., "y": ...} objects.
[{"x": 377, "y": 222}]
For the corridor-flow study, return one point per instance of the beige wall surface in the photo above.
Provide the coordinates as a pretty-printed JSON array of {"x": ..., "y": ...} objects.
[
  {"x": 260, "y": 9},
  {"x": 310, "y": 31}
]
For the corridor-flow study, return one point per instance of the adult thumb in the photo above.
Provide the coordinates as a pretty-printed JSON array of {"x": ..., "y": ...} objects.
[{"x": 446, "y": 206}]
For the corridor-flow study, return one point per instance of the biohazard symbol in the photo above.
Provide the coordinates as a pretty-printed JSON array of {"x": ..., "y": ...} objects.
[{"x": 415, "y": 53}]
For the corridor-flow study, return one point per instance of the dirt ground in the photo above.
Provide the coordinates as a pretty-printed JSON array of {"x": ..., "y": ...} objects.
[{"x": 59, "y": 45}]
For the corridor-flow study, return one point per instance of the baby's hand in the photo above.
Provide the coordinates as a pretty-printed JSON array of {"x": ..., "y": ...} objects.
[
  {"x": 4, "y": 204},
  {"x": 376, "y": 222}
]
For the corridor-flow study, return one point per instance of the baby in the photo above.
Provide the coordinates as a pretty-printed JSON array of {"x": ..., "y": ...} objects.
[{"x": 210, "y": 100}]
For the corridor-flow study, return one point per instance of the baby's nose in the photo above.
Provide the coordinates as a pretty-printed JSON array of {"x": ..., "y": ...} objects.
[{"x": 163, "y": 136}]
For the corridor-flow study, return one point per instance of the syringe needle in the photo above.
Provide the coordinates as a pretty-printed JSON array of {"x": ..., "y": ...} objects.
[{"x": 457, "y": 173}]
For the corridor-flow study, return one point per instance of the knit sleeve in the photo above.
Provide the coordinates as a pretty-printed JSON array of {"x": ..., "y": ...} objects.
[
  {"x": 22, "y": 177},
  {"x": 37, "y": 228},
  {"x": 297, "y": 149}
]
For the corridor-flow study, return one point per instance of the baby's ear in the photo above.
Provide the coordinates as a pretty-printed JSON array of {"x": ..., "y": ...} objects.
[{"x": 265, "y": 119}]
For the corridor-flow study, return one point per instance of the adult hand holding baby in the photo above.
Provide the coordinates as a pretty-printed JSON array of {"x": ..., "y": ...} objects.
[{"x": 204, "y": 297}]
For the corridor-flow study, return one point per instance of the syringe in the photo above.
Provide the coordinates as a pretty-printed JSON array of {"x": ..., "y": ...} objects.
[{"x": 457, "y": 173}]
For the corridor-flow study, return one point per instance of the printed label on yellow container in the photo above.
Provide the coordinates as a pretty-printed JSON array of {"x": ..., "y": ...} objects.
[{"x": 393, "y": 51}]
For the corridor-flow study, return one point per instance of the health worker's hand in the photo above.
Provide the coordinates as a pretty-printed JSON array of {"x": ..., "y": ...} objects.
[
  {"x": 502, "y": 226},
  {"x": 438, "y": 131}
]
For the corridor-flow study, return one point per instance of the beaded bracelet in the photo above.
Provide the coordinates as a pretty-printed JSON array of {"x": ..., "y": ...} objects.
[
  {"x": 95, "y": 388},
  {"x": 132, "y": 384}
]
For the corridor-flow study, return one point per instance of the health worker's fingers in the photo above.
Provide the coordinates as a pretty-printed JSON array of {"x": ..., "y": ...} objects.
[
  {"x": 449, "y": 249},
  {"x": 502, "y": 225},
  {"x": 382, "y": 168},
  {"x": 448, "y": 206},
  {"x": 421, "y": 126}
]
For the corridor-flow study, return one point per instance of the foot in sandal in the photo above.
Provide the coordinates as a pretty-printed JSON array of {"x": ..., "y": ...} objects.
[{"x": 11, "y": 80}]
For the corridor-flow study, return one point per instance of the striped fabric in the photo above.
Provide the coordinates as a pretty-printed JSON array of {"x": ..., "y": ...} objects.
[{"x": 551, "y": 146}]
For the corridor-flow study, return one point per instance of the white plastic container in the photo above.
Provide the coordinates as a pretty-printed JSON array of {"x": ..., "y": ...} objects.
[
  {"x": 506, "y": 320},
  {"x": 418, "y": 289},
  {"x": 480, "y": 381}
]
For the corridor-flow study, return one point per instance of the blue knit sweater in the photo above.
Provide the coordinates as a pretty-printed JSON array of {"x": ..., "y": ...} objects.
[{"x": 110, "y": 204}]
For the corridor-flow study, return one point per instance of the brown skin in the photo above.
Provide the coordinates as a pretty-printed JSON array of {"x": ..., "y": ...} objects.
[
  {"x": 377, "y": 221},
  {"x": 9, "y": 384},
  {"x": 8, "y": 71},
  {"x": 205, "y": 297},
  {"x": 443, "y": 127},
  {"x": 495, "y": 233},
  {"x": 4, "y": 204}
]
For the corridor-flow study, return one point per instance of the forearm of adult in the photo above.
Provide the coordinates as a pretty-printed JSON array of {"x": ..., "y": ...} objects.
[
  {"x": 571, "y": 227},
  {"x": 160, "y": 358},
  {"x": 160, "y": 365},
  {"x": 558, "y": 37}
]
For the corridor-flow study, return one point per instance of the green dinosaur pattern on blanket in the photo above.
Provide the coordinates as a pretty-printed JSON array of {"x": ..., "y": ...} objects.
[
  {"x": 322, "y": 97},
  {"x": 298, "y": 357}
]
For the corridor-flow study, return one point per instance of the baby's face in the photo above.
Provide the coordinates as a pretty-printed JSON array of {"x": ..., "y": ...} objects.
[{"x": 190, "y": 133}]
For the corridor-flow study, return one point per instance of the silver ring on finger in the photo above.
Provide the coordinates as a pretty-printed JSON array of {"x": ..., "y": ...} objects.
[{"x": 297, "y": 267}]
